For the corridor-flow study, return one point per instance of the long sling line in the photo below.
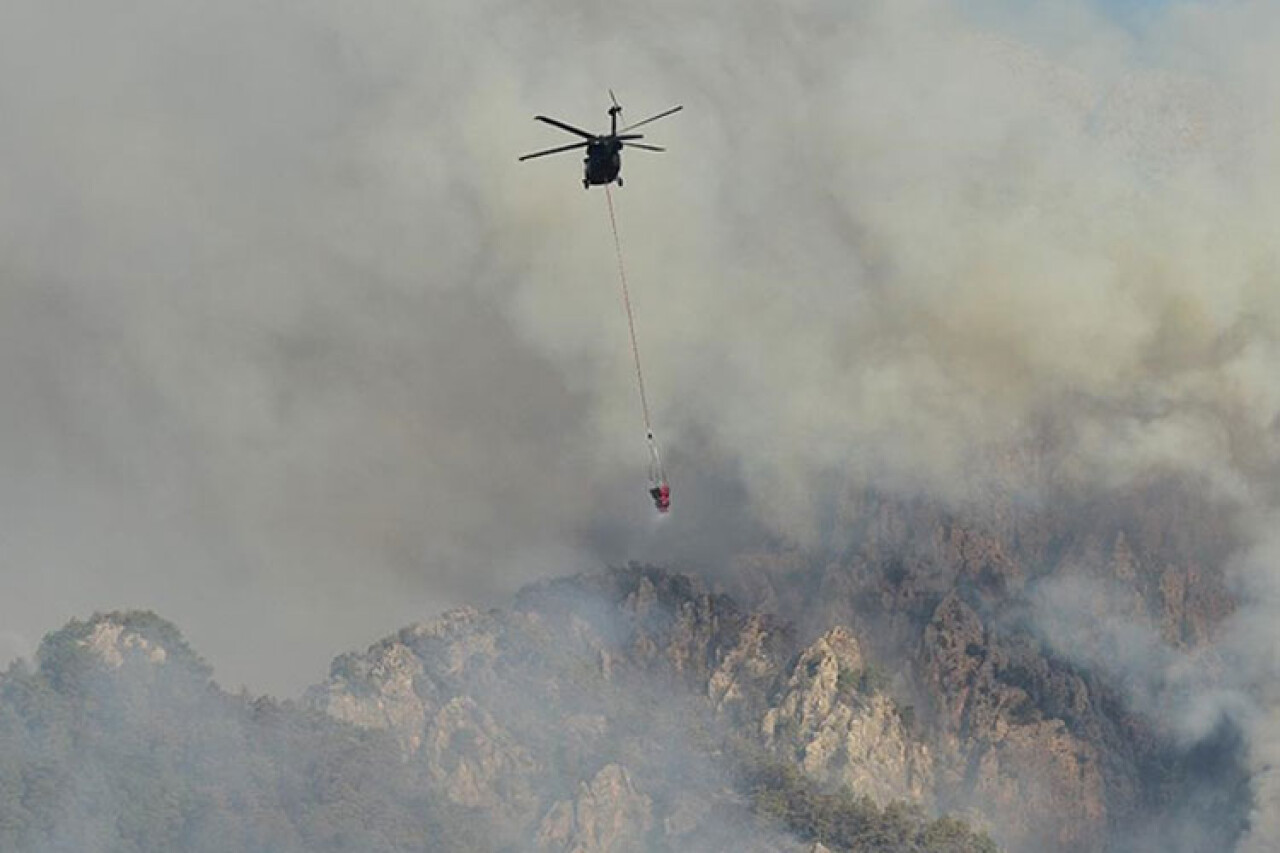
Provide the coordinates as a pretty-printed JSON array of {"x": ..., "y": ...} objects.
[{"x": 631, "y": 323}]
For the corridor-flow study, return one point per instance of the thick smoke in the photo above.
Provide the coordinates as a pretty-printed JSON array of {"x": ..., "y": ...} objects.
[
  {"x": 1252, "y": 677},
  {"x": 296, "y": 349}
]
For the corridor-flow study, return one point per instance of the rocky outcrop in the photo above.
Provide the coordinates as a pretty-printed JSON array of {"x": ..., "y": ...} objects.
[
  {"x": 477, "y": 763},
  {"x": 1018, "y": 708},
  {"x": 835, "y": 719},
  {"x": 639, "y": 710},
  {"x": 379, "y": 693},
  {"x": 608, "y": 816},
  {"x": 112, "y": 641},
  {"x": 745, "y": 670},
  {"x": 149, "y": 648},
  {"x": 656, "y": 669},
  {"x": 401, "y": 682},
  {"x": 513, "y": 715},
  {"x": 1005, "y": 755},
  {"x": 953, "y": 651},
  {"x": 667, "y": 624},
  {"x": 1045, "y": 783}
]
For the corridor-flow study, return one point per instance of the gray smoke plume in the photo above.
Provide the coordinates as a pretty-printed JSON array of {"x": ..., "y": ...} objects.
[{"x": 295, "y": 350}]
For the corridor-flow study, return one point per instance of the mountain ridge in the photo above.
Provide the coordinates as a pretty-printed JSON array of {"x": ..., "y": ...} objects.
[
  {"x": 633, "y": 708},
  {"x": 651, "y": 742}
]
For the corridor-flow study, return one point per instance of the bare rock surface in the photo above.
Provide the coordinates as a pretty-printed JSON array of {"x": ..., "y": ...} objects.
[
  {"x": 608, "y": 816},
  {"x": 843, "y": 729},
  {"x": 518, "y": 715}
]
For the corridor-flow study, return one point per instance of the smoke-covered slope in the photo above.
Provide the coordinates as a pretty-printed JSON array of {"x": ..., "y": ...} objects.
[
  {"x": 629, "y": 710},
  {"x": 119, "y": 741},
  {"x": 616, "y": 712},
  {"x": 1065, "y": 653}
]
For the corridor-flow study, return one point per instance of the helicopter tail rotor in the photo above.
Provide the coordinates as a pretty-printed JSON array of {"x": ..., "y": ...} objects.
[{"x": 614, "y": 112}]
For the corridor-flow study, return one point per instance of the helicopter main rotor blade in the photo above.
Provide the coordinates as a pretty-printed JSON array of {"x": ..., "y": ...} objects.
[
  {"x": 630, "y": 136},
  {"x": 559, "y": 150},
  {"x": 654, "y": 118},
  {"x": 614, "y": 99},
  {"x": 645, "y": 147},
  {"x": 557, "y": 123}
]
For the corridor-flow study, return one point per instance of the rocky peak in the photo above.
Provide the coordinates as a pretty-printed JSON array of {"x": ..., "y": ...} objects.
[
  {"x": 398, "y": 683},
  {"x": 608, "y": 816},
  {"x": 457, "y": 640},
  {"x": 662, "y": 622},
  {"x": 112, "y": 641},
  {"x": 380, "y": 690},
  {"x": 831, "y": 664},
  {"x": 137, "y": 642}
]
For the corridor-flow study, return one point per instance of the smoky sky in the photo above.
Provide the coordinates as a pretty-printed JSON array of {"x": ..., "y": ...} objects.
[{"x": 294, "y": 351}]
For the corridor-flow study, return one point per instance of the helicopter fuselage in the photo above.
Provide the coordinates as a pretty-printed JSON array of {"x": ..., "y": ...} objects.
[{"x": 603, "y": 161}]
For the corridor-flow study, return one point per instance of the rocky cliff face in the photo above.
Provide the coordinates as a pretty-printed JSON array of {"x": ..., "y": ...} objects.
[
  {"x": 644, "y": 669},
  {"x": 607, "y": 814},
  {"x": 640, "y": 710},
  {"x": 553, "y": 719},
  {"x": 595, "y": 715},
  {"x": 1051, "y": 744},
  {"x": 1002, "y": 747},
  {"x": 832, "y": 716}
]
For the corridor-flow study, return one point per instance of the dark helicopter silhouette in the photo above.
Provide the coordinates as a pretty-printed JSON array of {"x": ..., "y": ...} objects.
[{"x": 604, "y": 151}]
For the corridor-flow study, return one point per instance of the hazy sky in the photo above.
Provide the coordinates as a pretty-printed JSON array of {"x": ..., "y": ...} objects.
[{"x": 295, "y": 352}]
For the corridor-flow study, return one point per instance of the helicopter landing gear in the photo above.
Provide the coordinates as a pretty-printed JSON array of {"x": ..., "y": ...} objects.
[
  {"x": 586, "y": 185},
  {"x": 619, "y": 180}
]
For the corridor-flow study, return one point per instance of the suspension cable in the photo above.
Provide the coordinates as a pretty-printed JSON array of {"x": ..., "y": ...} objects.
[{"x": 631, "y": 323}]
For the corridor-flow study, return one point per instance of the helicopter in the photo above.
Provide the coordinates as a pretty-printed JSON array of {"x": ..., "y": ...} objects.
[{"x": 604, "y": 151}]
